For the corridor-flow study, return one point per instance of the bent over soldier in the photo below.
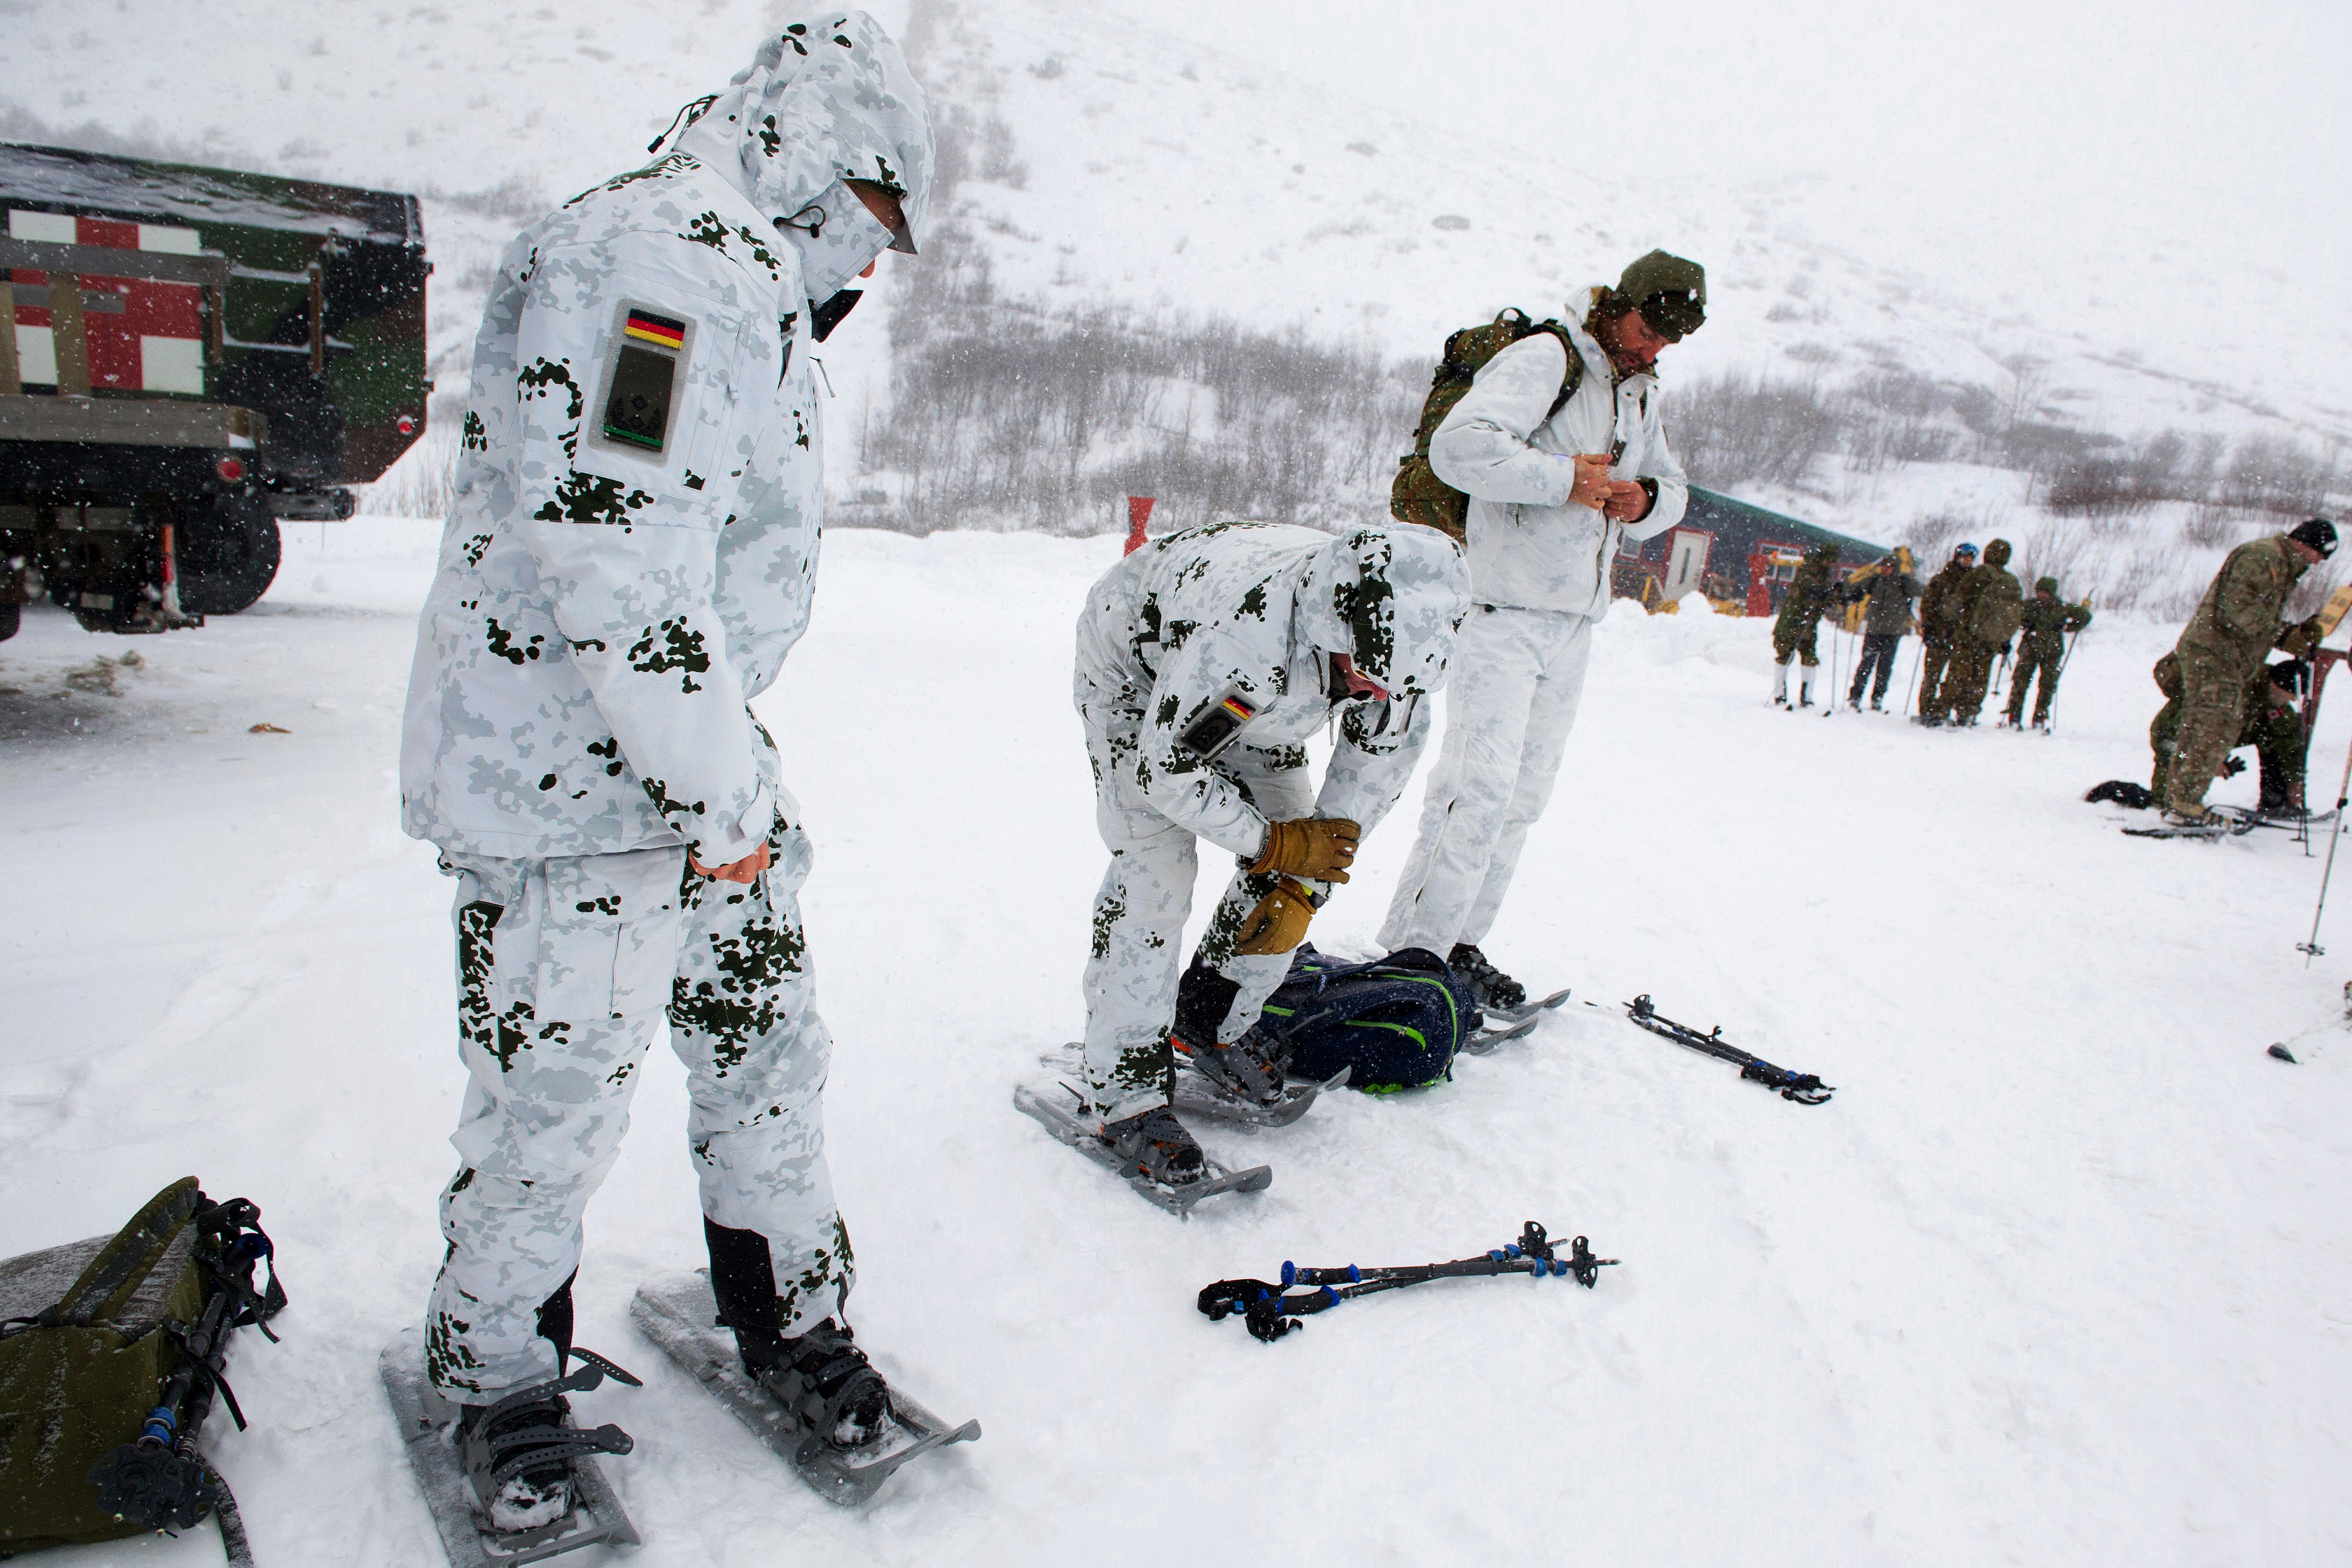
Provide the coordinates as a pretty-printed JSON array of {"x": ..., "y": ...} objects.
[
  {"x": 631, "y": 554},
  {"x": 2043, "y": 626},
  {"x": 1206, "y": 660},
  {"x": 2272, "y": 725},
  {"x": 2221, "y": 650}
]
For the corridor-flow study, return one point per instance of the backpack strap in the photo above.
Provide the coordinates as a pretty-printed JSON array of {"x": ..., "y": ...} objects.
[
  {"x": 1575, "y": 376},
  {"x": 154, "y": 1225}
]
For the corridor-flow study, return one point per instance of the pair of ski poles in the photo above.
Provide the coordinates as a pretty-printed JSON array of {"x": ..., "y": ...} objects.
[{"x": 2311, "y": 949}]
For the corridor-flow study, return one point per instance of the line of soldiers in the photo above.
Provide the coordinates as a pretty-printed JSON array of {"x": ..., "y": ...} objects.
[{"x": 1970, "y": 614}]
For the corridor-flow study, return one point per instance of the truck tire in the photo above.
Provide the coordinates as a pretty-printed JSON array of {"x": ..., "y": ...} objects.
[{"x": 228, "y": 558}]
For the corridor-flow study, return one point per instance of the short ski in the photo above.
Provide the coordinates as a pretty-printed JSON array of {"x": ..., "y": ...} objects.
[
  {"x": 597, "y": 1518},
  {"x": 1197, "y": 1093},
  {"x": 677, "y": 1313},
  {"x": 1803, "y": 1087},
  {"x": 1074, "y": 1123}
]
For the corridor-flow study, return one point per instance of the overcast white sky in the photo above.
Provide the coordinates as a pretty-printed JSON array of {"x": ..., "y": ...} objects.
[{"x": 2222, "y": 122}]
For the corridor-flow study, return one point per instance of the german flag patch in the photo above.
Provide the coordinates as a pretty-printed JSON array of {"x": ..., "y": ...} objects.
[
  {"x": 660, "y": 330},
  {"x": 1217, "y": 729}
]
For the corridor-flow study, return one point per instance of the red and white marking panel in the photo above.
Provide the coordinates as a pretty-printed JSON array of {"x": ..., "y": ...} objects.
[{"x": 143, "y": 335}]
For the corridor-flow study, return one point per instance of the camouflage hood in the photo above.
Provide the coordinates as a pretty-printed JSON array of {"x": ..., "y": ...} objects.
[
  {"x": 826, "y": 100},
  {"x": 1390, "y": 600}
]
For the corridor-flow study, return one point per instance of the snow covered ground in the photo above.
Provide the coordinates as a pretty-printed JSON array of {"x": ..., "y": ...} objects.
[{"x": 2060, "y": 1277}]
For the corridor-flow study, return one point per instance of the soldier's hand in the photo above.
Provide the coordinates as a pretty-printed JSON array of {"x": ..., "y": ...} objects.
[
  {"x": 1627, "y": 501},
  {"x": 2004, "y": 650},
  {"x": 1319, "y": 848},
  {"x": 742, "y": 871},
  {"x": 1277, "y": 923},
  {"x": 1592, "y": 485}
]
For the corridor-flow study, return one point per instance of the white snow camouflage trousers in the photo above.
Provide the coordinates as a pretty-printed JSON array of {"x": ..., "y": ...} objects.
[
  {"x": 566, "y": 968},
  {"x": 1132, "y": 962},
  {"x": 1517, "y": 677}
]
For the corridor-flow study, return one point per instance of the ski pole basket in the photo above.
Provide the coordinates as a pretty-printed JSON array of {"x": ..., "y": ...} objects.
[{"x": 1269, "y": 1314}]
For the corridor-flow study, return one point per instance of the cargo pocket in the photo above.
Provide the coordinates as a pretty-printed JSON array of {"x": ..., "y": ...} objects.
[{"x": 609, "y": 948}]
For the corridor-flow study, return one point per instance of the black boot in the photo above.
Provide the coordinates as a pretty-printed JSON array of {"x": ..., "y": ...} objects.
[
  {"x": 822, "y": 1379},
  {"x": 517, "y": 1450},
  {"x": 1156, "y": 1146},
  {"x": 1489, "y": 986},
  {"x": 1251, "y": 1068}
]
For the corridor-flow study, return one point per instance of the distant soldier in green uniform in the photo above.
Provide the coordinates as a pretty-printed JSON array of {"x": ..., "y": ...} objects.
[
  {"x": 2271, "y": 725},
  {"x": 2222, "y": 651},
  {"x": 1812, "y": 592},
  {"x": 2046, "y": 621},
  {"x": 1985, "y": 608},
  {"x": 1890, "y": 588},
  {"x": 1939, "y": 623}
]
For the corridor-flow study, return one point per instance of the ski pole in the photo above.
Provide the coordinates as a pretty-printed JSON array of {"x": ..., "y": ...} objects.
[
  {"x": 2312, "y": 949},
  {"x": 1912, "y": 690},
  {"x": 1269, "y": 1314}
]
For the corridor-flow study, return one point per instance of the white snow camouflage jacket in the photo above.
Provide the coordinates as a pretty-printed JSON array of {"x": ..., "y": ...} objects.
[
  {"x": 1530, "y": 547},
  {"x": 1245, "y": 613},
  {"x": 633, "y": 543}
]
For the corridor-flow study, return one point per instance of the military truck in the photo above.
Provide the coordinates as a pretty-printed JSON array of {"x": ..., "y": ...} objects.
[{"x": 193, "y": 355}]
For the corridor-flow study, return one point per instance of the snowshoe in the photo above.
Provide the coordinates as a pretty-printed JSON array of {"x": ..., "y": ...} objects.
[
  {"x": 514, "y": 1481},
  {"x": 1492, "y": 990},
  {"x": 1076, "y": 1124},
  {"x": 1244, "y": 1082},
  {"x": 815, "y": 1400},
  {"x": 1518, "y": 1022},
  {"x": 2212, "y": 822}
]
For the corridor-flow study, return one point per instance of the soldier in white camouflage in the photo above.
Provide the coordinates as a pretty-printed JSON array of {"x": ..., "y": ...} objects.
[
  {"x": 630, "y": 557},
  {"x": 1205, "y": 661},
  {"x": 1555, "y": 486}
]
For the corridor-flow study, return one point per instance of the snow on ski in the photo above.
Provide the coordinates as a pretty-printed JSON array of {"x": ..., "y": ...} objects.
[
  {"x": 597, "y": 1518},
  {"x": 1072, "y": 1126},
  {"x": 677, "y": 1313}
]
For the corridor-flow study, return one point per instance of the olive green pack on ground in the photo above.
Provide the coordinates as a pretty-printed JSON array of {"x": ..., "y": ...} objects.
[
  {"x": 93, "y": 1340},
  {"x": 1417, "y": 495}
]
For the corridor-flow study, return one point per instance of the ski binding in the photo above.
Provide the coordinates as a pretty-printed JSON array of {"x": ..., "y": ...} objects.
[
  {"x": 1196, "y": 1092},
  {"x": 1075, "y": 1126},
  {"x": 678, "y": 1313},
  {"x": 597, "y": 1518}
]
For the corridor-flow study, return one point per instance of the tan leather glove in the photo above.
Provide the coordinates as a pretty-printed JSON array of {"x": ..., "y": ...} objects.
[
  {"x": 1319, "y": 848},
  {"x": 1277, "y": 923}
]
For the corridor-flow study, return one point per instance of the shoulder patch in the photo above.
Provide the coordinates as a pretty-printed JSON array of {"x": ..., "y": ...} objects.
[
  {"x": 637, "y": 400},
  {"x": 1219, "y": 726}
]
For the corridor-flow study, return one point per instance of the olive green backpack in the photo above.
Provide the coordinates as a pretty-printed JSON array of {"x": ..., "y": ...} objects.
[
  {"x": 1417, "y": 495},
  {"x": 110, "y": 1355}
]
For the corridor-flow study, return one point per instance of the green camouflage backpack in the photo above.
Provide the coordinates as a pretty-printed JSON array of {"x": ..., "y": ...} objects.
[
  {"x": 1417, "y": 495},
  {"x": 111, "y": 1353}
]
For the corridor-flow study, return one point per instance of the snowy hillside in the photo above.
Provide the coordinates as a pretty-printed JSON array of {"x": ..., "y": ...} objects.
[
  {"x": 2058, "y": 1277},
  {"x": 1129, "y": 161}
]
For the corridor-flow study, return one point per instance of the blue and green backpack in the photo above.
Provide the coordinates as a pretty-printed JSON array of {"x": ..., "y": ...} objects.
[{"x": 1395, "y": 1021}]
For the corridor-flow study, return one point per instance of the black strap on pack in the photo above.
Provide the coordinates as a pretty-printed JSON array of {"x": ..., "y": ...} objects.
[
  {"x": 1802, "y": 1088},
  {"x": 1269, "y": 1314}
]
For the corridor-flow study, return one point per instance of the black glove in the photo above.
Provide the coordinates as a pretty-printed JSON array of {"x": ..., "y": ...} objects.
[
  {"x": 2232, "y": 766},
  {"x": 2004, "y": 650}
]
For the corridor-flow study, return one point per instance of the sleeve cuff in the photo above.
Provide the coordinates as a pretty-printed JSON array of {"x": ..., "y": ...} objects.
[{"x": 725, "y": 843}]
